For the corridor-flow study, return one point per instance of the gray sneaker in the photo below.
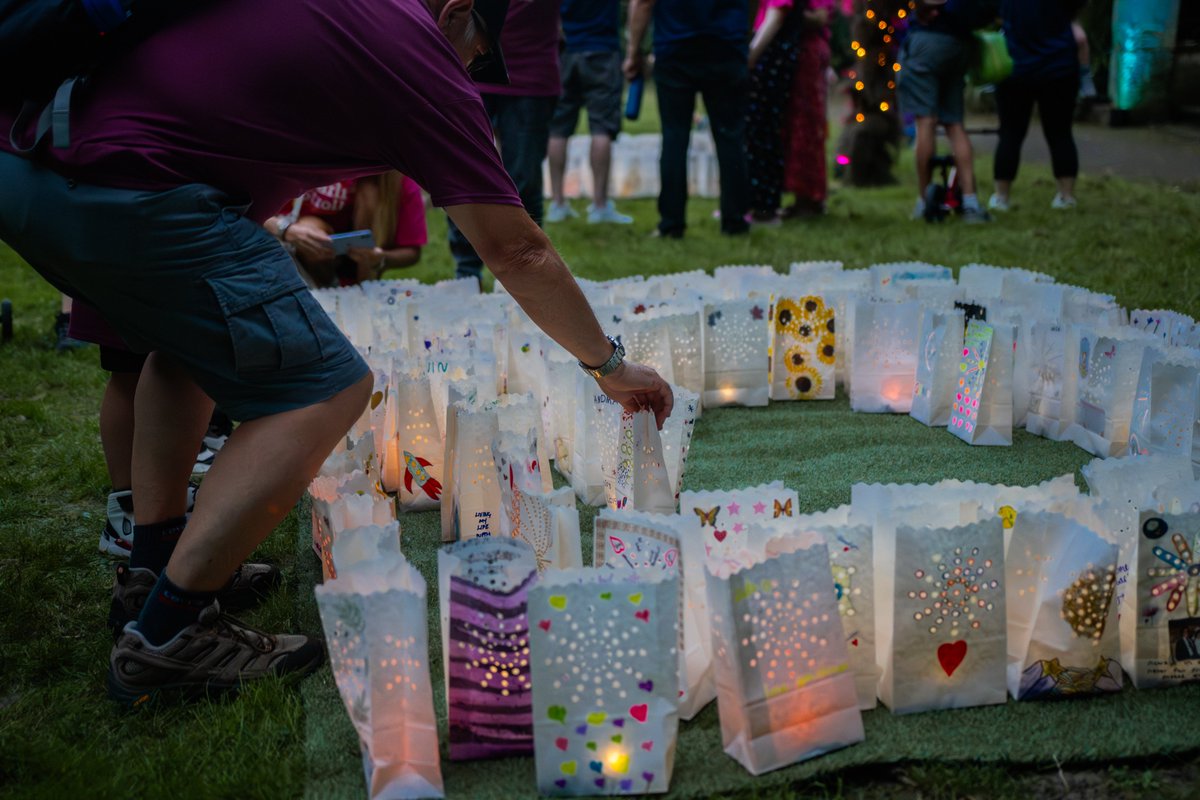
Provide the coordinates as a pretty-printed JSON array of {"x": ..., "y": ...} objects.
[
  {"x": 975, "y": 216},
  {"x": 213, "y": 656}
]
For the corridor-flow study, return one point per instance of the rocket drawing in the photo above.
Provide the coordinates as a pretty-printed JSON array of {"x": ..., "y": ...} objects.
[{"x": 415, "y": 468}]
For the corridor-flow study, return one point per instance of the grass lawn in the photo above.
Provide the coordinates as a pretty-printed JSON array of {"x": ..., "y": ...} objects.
[{"x": 60, "y": 738}]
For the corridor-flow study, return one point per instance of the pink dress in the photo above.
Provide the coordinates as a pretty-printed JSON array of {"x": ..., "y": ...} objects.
[{"x": 807, "y": 125}]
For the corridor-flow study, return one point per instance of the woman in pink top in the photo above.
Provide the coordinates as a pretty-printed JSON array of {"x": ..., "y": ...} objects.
[
  {"x": 389, "y": 205},
  {"x": 804, "y": 163}
]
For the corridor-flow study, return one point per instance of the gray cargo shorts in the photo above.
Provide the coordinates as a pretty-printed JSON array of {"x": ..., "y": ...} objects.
[
  {"x": 185, "y": 272},
  {"x": 933, "y": 75},
  {"x": 593, "y": 79}
]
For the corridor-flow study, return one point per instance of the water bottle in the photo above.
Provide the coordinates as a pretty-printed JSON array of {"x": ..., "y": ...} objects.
[{"x": 633, "y": 103}]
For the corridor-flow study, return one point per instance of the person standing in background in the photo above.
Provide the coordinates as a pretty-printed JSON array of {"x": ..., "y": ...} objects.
[
  {"x": 699, "y": 46},
  {"x": 591, "y": 77},
  {"x": 805, "y": 172},
  {"x": 1046, "y": 72},
  {"x": 520, "y": 112},
  {"x": 772, "y": 65}
]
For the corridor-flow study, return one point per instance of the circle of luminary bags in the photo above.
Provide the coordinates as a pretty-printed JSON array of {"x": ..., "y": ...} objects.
[{"x": 925, "y": 597}]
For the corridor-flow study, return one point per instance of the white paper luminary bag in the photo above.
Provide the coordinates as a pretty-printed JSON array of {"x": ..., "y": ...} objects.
[
  {"x": 676, "y": 436},
  {"x": 483, "y": 593},
  {"x": 785, "y": 692},
  {"x": 1102, "y": 370},
  {"x": 1046, "y": 349},
  {"x": 1062, "y": 622},
  {"x": 1161, "y": 643},
  {"x": 419, "y": 449},
  {"x": 546, "y": 521},
  {"x": 941, "y": 343},
  {"x": 473, "y": 508},
  {"x": 942, "y": 627},
  {"x": 597, "y": 427},
  {"x": 374, "y": 620},
  {"x": 982, "y": 409},
  {"x": 851, "y": 560},
  {"x": 604, "y": 654},
  {"x": 884, "y": 362},
  {"x": 804, "y": 350},
  {"x": 638, "y": 479},
  {"x": 1165, "y": 407},
  {"x": 736, "y": 353},
  {"x": 339, "y": 507},
  {"x": 670, "y": 544}
]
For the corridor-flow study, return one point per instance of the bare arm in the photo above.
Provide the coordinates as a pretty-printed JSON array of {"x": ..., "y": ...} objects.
[
  {"x": 771, "y": 24},
  {"x": 526, "y": 263},
  {"x": 640, "y": 12}
]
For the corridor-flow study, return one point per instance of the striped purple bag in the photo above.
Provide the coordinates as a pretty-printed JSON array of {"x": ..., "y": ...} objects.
[{"x": 483, "y": 591}]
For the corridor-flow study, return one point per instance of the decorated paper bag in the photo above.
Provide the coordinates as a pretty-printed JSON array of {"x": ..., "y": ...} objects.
[
  {"x": 374, "y": 619},
  {"x": 1062, "y": 621},
  {"x": 417, "y": 450},
  {"x": 941, "y": 342},
  {"x": 668, "y": 340},
  {"x": 1046, "y": 349},
  {"x": 884, "y": 362},
  {"x": 1097, "y": 408},
  {"x": 785, "y": 692},
  {"x": 483, "y": 590},
  {"x": 670, "y": 544},
  {"x": 850, "y": 557},
  {"x": 638, "y": 479},
  {"x": 338, "y": 506},
  {"x": 982, "y": 409},
  {"x": 736, "y": 353},
  {"x": 546, "y": 521},
  {"x": 1165, "y": 407},
  {"x": 676, "y": 436},
  {"x": 597, "y": 427},
  {"x": 942, "y": 625},
  {"x": 804, "y": 352},
  {"x": 727, "y": 518},
  {"x": 471, "y": 477},
  {"x": 605, "y": 662},
  {"x": 1161, "y": 643}
]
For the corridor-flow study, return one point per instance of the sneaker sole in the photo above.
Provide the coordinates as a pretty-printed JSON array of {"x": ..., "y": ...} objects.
[
  {"x": 132, "y": 699},
  {"x": 113, "y": 546}
]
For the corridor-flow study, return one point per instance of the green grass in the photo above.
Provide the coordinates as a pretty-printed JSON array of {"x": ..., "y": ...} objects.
[{"x": 60, "y": 738}]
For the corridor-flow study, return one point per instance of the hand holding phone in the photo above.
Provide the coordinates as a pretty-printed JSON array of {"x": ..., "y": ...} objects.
[{"x": 342, "y": 242}]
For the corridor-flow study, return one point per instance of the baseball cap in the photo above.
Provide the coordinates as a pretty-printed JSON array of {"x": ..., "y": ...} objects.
[{"x": 489, "y": 67}]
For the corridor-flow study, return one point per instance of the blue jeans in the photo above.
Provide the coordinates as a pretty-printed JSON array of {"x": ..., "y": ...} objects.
[
  {"x": 723, "y": 79},
  {"x": 522, "y": 124}
]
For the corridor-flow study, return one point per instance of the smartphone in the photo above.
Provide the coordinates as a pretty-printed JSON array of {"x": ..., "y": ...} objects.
[
  {"x": 633, "y": 101},
  {"x": 342, "y": 242}
]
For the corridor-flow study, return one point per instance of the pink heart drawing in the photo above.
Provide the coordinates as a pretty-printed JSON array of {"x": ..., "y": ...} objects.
[
  {"x": 950, "y": 655},
  {"x": 647, "y": 746},
  {"x": 639, "y": 712},
  {"x": 544, "y": 625},
  {"x": 561, "y": 743},
  {"x": 643, "y": 615}
]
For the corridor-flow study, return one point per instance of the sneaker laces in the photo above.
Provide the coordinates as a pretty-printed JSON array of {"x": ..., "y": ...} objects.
[{"x": 223, "y": 623}]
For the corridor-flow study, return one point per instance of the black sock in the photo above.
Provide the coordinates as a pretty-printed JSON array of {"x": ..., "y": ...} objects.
[
  {"x": 153, "y": 544},
  {"x": 169, "y": 610}
]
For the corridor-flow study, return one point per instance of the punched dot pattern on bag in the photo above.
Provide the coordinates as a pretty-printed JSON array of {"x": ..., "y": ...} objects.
[{"x": 957, "y": 590}]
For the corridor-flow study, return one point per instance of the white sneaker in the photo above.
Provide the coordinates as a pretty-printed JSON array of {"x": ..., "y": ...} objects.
[
  {"x": 560, "y": 212},
  {"x": 607, "y": 214},
  {"x": 918, "y": 211},
  {"x": 997, "y": 203},
  {"x": 117, "y": 537},
  {"x": 1062, "y": 202}
]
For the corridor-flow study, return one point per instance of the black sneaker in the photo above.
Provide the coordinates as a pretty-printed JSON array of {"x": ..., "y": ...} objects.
[
  {"x": 214, "y": 656},
  {"x": 248, "y": 587}
]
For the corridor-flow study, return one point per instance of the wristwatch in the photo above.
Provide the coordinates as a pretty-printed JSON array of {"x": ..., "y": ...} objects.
[
  {"x": 610, "y": 366},
  {"x": 282, "y": 225}
]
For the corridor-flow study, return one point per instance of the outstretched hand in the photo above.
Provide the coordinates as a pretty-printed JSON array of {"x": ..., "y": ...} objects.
[{"x": 639, "y": 388}]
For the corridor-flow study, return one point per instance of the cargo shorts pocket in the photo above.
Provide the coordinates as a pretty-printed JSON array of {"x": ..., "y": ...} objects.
[{"x": 270, "y": 325}]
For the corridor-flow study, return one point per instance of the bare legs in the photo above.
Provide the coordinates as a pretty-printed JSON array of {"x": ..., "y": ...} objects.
[
  {"x": 964, "y": 156},
  {"x": 556, "y": 153},
  {"x": 601, "y": 158},
  {"x": 923, "y": 151},
  {"x": 116, "y": 428}
]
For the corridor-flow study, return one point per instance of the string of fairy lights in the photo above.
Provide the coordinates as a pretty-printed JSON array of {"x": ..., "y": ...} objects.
[{"x": 877, "y": 52}]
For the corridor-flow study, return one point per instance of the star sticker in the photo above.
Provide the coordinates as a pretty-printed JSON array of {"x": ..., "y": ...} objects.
[
  {"x": 1052, "y": 668},
  {"x": 756, "y": 312},
  {"x": 734, "y": 509},
  {"x": 738, "y": 527},
  {"x": 760, "y": 507}
]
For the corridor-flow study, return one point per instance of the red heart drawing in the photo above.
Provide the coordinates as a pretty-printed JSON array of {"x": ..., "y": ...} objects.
[
  {"x": 643, "y": 615},
  {"x": 544, "y": 625},
  {"x": 720, "y": 535},
  {"x": 639, "y": 712},
  {"x": 561, "y": 743},
  {"x": 647, "y": 746},
  {"x": 951, "y": 655},
  {"x": 854, "y": 642}
]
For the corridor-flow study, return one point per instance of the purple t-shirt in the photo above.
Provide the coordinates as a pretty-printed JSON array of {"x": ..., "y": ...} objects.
[
  {"x": 530, "y": 45},
  {"x": 266, "y": 99}
]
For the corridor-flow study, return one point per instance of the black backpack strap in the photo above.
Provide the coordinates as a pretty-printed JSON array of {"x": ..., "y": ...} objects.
[{"x": 53, "y": 118}]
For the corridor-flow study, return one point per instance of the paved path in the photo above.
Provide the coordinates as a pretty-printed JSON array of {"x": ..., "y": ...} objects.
[{"x": 1169, "y": 154}]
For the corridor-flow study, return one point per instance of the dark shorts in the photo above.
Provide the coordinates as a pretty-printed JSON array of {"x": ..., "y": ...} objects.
[
  {"x": 593, "y": 79},
  {"x": 933, "y": 71},
  {"x": 184, "y": 272}
]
